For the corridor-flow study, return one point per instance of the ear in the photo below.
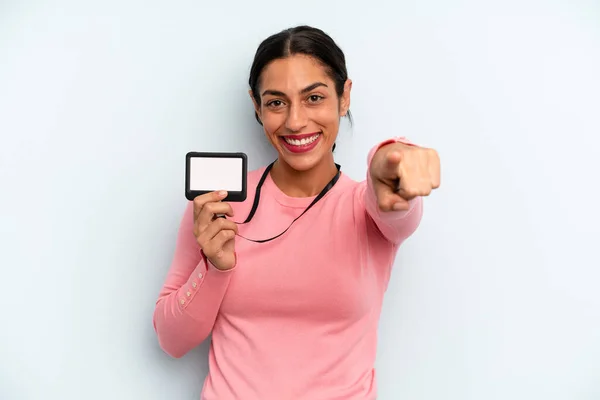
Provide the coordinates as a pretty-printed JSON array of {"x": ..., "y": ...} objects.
[
  {"x": 345, "y": 100},
  {"x": 256, "y": 105}
]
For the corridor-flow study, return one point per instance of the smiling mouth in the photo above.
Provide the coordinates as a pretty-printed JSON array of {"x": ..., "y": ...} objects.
[{"x": 301, "y": 140}]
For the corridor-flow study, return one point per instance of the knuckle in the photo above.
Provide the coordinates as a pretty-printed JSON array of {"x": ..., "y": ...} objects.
[
  {"x": 209, "y": 207},
  {"x": 219, "y": 254},
  {"x": 199, "y": 202}
]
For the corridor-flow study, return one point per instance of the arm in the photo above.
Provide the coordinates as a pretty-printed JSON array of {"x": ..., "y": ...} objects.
[
  {"x": 395, "y": 226},
  {"x": 190, "y": 298}
]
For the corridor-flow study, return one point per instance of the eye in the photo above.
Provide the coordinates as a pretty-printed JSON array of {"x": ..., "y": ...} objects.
[
  {"x": 274, "y": 103},
  {"x": 315, "y": 98}
]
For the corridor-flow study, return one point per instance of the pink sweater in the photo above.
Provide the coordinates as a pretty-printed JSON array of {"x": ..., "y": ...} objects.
[{"x": 297, "y": 317}]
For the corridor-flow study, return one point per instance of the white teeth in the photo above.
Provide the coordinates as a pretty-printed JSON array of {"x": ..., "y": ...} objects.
[{"x": 301, "y": 142}]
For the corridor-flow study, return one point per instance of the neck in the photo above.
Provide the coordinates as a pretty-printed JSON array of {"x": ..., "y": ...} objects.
[{"x": 303, "y": 183}]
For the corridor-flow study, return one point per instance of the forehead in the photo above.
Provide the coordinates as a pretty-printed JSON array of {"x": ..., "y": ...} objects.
[{"x": 293, "y": 74}]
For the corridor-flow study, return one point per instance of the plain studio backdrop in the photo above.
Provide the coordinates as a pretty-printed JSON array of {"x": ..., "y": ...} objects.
[{"x": 496, "y": 295}]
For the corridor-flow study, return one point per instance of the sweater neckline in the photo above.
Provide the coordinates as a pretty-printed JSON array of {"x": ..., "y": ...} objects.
[{"x": 272, "y": 189}]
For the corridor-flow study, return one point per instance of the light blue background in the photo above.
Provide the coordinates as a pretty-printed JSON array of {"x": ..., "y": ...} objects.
[{"x": 494, "y": 298}]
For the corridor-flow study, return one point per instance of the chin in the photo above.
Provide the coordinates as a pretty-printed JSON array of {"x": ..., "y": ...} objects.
[{"x": 301, "y": 163}]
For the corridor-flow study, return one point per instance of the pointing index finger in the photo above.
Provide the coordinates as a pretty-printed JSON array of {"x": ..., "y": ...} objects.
[{"x": 391, "y": 164}]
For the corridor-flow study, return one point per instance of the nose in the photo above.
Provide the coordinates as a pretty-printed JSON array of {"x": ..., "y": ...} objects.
[{"x": 297, "y": 118}]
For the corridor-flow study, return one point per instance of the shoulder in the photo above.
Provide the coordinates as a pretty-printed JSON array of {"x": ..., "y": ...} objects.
[
  {"x": 346, "y": 195},
  {"x": 254, "y": 176},
  {"x": 349, "y": 186}
]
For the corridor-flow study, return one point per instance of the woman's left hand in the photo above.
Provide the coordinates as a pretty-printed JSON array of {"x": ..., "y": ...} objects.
[{"x": 401, "y": 172}]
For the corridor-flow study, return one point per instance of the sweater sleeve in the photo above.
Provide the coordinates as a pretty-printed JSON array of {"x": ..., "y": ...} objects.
[
  {"x": 191, "y": 296},
  {"x": 395, "y": 226}
]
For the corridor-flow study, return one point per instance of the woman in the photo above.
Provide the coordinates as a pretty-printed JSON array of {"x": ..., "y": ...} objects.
[{"x": 295, "y": 317}]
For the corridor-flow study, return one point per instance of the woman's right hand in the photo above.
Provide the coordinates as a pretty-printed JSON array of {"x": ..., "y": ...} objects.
[{"x": 216, "y": 236}]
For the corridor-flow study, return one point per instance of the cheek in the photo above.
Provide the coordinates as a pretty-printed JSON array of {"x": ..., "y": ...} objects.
[
  {"x": 328, "y": 118},
  {"x": 271, "y": 125},
  {"x": 271, "y": 121}
]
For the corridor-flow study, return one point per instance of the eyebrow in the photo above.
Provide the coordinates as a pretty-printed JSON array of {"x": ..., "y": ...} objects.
[{"x": 305, "y": 90}]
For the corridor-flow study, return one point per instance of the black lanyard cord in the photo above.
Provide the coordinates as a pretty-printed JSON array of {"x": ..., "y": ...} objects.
[
  {"x": 257, "y": 193},
  {"x": 326, "y": 189}
]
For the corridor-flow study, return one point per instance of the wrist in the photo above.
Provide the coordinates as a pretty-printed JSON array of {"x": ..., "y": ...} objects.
[
  {"x": 215, "y": 266},
  {"x": 385, "y": 143}
]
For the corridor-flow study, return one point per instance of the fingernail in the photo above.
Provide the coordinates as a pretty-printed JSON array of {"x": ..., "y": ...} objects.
[{"x": 222, "y": 193}]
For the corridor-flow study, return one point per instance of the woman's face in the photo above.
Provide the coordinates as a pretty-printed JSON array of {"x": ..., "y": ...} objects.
[{"x": 300, "y": 110}]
